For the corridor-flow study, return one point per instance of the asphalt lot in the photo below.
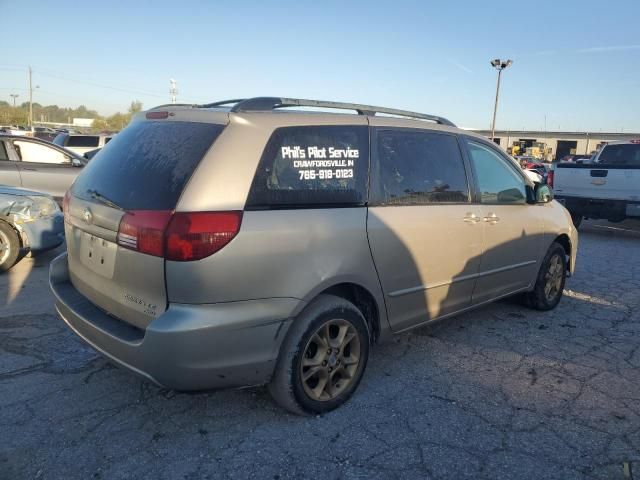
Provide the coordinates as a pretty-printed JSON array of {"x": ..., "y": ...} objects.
[{"x": 502, "y": 392}]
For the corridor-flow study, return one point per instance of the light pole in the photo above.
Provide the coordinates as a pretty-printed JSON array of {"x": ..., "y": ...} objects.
[
  {"x": 173, "y": 90},
  {"x": 14, "y": 96},
  {"x": 498, "y": 65},
  {"x": 31, "y": 88}
]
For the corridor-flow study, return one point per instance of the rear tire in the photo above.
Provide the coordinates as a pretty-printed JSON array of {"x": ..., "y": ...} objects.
[
  {"x": 322, "y": 358},
  {"x": 547, "y": 292},
  {"x": 9, "y": 246}
]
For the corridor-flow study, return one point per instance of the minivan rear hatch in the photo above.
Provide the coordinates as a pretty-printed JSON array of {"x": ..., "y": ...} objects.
[{"x": 133, "y": 183}]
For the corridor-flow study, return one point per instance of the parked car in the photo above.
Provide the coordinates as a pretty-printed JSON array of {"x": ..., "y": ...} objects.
[
  {"x": 44, "y": 133},
  {"x": 29, "y": 222},
  {"x": 533, "y": 164},
  {"x": 16, "y": 130},
  {"x": 229, "y": 245},
  {"x": 81, "y": 144},
  {"x": 607, "y": 187},
  {"x": 38, "y": 165}
]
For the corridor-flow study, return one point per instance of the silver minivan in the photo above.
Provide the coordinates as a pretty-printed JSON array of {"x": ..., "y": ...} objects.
[{"x": 251, "y": 242}]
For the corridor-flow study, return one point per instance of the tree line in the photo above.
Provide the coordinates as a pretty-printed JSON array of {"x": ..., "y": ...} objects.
[{"x": 19, "y": 115}]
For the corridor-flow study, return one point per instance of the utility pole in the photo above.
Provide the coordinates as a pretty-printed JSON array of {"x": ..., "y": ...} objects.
[
  {"x": 173, "y": 90},
  {"x": 498, "y": 65},
  {"x": 31, "y": 87},
  {"x": 30, "y": 100},
  {"x": 14, "y": 96}
]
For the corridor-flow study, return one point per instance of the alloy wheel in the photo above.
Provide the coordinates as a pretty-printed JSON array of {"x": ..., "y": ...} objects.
[
  {"x": 330, "y": 361},
  {"x": 4, "y": 247},
  {"x": 553, "y": 277}
]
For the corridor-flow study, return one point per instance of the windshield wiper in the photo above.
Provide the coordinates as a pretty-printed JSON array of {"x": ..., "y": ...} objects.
[{"x": 96, "y": 195}]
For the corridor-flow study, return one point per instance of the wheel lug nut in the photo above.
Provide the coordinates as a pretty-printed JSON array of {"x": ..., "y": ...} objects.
[
  {"x": 329, "y": 352},
  {"x": 330, "y": 369},
  {"x": 324, "y": 364}
]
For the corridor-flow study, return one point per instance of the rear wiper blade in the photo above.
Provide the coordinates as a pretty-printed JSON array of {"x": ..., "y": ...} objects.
[{"x": 96, "y": 195}]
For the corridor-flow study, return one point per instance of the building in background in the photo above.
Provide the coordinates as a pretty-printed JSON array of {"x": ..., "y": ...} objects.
[
  {"x": 82, "y": 122},
  {"x": 552, "y": 146}
]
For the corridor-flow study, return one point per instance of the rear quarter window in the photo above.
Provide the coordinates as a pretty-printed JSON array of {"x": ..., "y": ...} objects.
[{"x": 312, "y": 166}]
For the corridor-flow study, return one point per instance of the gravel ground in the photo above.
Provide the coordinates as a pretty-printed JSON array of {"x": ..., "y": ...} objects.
[{"x": 501, "y": 392}]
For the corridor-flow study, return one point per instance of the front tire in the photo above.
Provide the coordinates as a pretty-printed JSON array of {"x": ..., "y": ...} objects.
[
  {"x": 9, "y": 247},
  {"x": 547, "y": 292},
  {"x": 323, "y": 357}
]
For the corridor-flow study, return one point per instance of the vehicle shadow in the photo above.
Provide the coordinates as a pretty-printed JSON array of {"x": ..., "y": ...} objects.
[{"x": 18, "y": 289}]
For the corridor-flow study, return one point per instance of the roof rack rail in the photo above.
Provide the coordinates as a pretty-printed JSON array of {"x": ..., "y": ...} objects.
[
  {"x": 221, "y": 103},
  {"x": 261, "y": 104},
  {"x": 174, "y": 105}
]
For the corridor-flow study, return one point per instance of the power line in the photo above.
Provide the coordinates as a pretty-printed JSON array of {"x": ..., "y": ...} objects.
[
  {"x": 58, "y": 76},
  {"x": 101, "y": 85}
]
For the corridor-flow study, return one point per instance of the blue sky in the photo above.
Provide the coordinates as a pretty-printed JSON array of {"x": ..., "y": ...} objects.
[{"x": 575, "y": 62}]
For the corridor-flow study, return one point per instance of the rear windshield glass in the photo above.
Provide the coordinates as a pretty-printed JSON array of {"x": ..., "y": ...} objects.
[
  {"x": 82, "y": 141},
  {"x": 146, "y": 166},
  {"x": 625, "y": 154},
  {"x": 312, "y": 165}
]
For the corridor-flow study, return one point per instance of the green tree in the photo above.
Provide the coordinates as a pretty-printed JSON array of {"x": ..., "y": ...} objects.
[{"x": 136, "y": 106}]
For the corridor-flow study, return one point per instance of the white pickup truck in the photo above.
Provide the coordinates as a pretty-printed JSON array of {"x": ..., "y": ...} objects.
[{"x": 607, "y": 187}]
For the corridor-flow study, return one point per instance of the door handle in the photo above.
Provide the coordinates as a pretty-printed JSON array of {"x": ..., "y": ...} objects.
[
  {"x": 471, "y": 218},
  {"x": 492, "y": 218},
  {"x": 30, "y": 169}
]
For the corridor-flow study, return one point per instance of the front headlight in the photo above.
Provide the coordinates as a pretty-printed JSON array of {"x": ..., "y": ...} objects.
[
  {"x": 45, "y": 206},
  {"x": 27, "y": 209}
]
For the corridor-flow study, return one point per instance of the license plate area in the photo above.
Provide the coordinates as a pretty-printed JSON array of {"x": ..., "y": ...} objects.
[{"x": 98, "y": 254}]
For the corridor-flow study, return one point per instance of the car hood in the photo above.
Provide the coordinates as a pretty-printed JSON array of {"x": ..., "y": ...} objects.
[{"x": 21, "y": 192}]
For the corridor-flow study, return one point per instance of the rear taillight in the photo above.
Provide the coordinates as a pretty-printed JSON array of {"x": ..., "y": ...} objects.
[
  {"x": 550, "y": 178},
  {"x": 65, "y": 207},
  {"x": 196, "y": 235},
  {"x": 143, "y": 230},
  {"x": 180, "y": 236}
]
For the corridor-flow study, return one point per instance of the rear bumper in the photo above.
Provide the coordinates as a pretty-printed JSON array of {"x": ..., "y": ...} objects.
[
  {"x": 600, "y": 208},
  {"x": 188, "y": 347}
]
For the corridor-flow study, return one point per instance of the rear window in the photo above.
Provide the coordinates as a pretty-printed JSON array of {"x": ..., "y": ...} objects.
[
  {"x": 624, "y": 154},
  {"x": 83, "y": 141},
  {"x": 312, "y": 166},
  {"x": 147, "y": 165}
]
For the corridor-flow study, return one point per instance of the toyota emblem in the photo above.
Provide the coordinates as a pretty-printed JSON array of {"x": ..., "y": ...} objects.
[{"x": 87, "y": 216}]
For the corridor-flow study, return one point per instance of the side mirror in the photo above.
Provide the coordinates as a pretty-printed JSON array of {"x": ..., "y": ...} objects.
[
  {"x": 76, "y": 163},
  {"x": 544, "y": 194}
]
